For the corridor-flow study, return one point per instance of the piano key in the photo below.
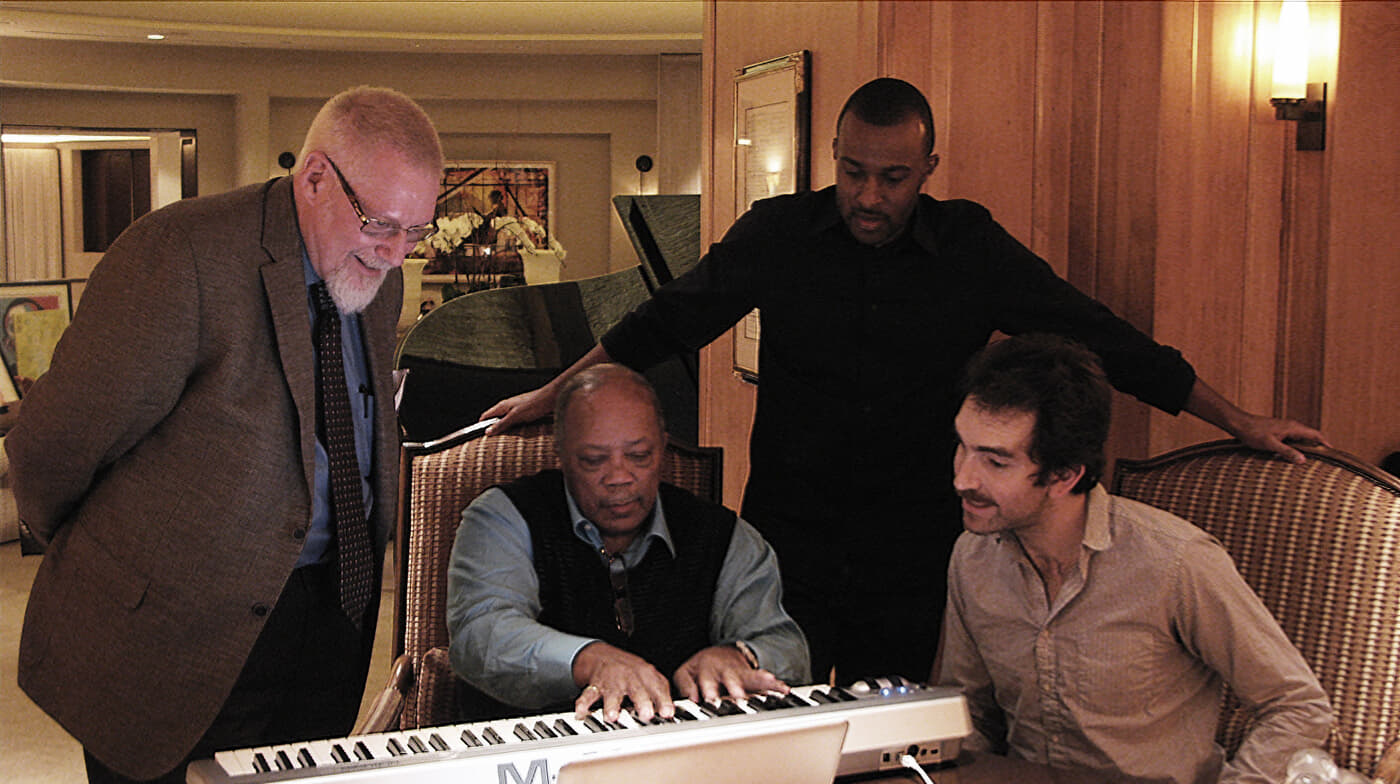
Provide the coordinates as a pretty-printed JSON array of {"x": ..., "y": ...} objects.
[
  {"x": 522, "y": 732},
  {"x": 417, "y": 745},
  {"x": 594, "y": 723},
  {"x": 796, "y": 700},
  {"x": 338, "y": 753},
  {"x": 362, "y": 751},
  {"x": 436, "y": 741},
  {"x": 320, "y": 753},
  {"x": 563, "y": 727},
  {"x": 395, "y": 747},
  {"x": 470, "y": 738},
  {"x": 491, "y": 736},
  {"x": 283, "y": 761},
  {"x": 260, "y": 763},
  {"x": 304, "y": 758},
  {"x": 542, "y": 730}
]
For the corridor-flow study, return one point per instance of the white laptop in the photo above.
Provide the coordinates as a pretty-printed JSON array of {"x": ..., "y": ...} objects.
[{"x": 807, "y": 755}]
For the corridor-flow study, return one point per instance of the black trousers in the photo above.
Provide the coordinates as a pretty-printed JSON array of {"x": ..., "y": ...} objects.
[{"x": 304, "y": 679}]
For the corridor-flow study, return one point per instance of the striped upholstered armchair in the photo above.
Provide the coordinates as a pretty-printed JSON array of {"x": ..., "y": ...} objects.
[
  {"x": 1320, "y": 544},
  {"x": 439, "y": 479}
]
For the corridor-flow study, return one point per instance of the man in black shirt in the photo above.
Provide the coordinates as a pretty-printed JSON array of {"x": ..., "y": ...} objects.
[{"x": 873, "y": 297}]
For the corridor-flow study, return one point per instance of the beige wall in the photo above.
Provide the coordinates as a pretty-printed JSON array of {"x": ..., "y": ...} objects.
[
  {"x": 1132, "y": 145},
  {"x": 592, "y": 115}
]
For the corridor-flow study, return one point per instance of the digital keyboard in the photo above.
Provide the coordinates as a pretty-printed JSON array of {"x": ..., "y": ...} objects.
[{"x": 886, "y": 718}]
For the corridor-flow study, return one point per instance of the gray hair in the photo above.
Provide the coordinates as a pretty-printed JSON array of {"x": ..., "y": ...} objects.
[
  {"x": 593, "y": 378},
  {"x": 362, "y": 120}
]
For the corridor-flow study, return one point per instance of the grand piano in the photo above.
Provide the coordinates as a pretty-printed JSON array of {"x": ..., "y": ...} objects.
[{"x": 476, "y": 349}]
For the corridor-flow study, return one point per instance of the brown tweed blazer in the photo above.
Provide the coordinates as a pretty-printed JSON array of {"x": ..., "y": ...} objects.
[{"x": 166, "y": 458}]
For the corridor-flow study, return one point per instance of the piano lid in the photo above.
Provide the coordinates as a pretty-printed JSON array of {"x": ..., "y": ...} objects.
[
  {"x": 665, "y": 230},
  {"x": 477, "y": 349}
]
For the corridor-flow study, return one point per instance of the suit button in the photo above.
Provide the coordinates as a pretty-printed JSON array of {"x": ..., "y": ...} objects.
[
  {"x": 299, "y": 534},
  {"x": 260, "y": 609}
]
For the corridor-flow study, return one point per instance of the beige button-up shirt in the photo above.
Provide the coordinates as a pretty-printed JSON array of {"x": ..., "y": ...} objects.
[{"x": 1123, "y": 672}]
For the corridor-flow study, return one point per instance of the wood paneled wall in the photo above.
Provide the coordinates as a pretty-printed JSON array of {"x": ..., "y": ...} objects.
[{"x": 1132, "y": 146}]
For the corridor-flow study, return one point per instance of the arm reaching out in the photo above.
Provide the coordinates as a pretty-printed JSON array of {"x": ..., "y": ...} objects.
[
  {"x": 539, "y": 403},
  {"x": 1264, "y": 433}
]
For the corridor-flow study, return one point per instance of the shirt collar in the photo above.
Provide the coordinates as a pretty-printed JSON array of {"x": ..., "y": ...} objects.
[
  {"x": 1098, "y": 535},
  {"x": 654, "y": 529}
]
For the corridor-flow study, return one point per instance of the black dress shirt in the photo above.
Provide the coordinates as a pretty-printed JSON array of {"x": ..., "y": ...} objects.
[{"x": 862, "y": 349}]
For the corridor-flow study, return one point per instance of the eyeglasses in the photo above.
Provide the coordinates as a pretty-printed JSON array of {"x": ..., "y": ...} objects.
[
  {"x": 622, "y": 606},
  {"x": 376, "y": 227}
]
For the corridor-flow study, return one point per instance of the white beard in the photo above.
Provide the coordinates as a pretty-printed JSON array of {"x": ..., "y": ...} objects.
[{"x": 350, "y": 295}]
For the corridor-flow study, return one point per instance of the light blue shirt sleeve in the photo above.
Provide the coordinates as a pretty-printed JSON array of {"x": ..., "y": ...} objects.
[
  {"x": 493, "y": 602},
  {"x": 748, "y": 607}
]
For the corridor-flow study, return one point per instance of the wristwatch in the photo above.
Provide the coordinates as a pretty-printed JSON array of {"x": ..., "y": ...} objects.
[{"x": 749, "y": 655}]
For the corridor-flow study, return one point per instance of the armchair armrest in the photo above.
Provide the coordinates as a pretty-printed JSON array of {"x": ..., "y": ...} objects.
[{"x": 383, "y": 713}]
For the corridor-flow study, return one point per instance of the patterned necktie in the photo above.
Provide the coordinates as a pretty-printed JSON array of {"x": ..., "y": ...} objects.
[{"x": 338, "y": 436}]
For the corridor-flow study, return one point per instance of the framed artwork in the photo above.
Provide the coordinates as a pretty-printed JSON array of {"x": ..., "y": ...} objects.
[
  {"x": 34, "y": 317},
  {"x": 476, "y": 199},
  {"x": 772, "y": 123}
]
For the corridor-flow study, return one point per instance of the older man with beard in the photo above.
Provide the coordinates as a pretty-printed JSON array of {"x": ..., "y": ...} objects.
[{"x": 211, "y": 460}]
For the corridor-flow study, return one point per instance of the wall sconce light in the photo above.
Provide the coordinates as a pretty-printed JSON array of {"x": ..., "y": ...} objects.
[{"x": 1295, "y": 98}]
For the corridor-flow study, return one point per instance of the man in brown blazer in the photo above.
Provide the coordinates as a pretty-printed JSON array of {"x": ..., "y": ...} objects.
[{"x": 173, "y": 463}]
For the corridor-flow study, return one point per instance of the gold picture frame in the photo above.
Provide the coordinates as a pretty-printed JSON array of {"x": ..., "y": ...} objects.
[{"x": 772, "y": 127}]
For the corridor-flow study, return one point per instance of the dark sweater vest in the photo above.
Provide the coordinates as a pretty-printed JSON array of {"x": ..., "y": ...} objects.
[{"x": 671, "y": 597}]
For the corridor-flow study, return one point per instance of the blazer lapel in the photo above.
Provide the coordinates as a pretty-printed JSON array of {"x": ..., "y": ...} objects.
[{"x": 284, "y": 282}]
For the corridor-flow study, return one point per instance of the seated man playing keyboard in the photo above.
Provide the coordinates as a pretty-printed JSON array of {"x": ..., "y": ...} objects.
[{"x": 598, "y": 584}]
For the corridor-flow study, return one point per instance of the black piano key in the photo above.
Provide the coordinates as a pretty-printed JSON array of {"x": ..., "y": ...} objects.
[
  {"x": 492, "y": 737},
  {"x": 435, "y": 740},
  {"x": 283, "y": 761},
  {"x": 522, "y": 732},
  {"x": 683, "y": 713},
  {"x": 820, "y": 696},
  {"x": 304, "y": 757},
  {"x": 760, "y": 702},
  {"x": 470, "y": 738},
  {"x": 564, "y": 728},
  {"x": 396, "y": 748},
  {"x": 707, "y": 709},
  {"x": 542, "y": 730},
  {"x": 362, "y": 751},
  {"x": 794, "y": 700},
  {"x": 729, "y": 708},
  {"x": 260, "y": 763},
  {"x": 416, "y": 744},
  {"x": 591, "y": 722},
  {"x": 338, "y": 753}
]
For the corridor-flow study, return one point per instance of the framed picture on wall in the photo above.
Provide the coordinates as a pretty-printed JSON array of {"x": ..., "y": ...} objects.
[
  {"x": 34, "y": 318},
  {"x": 483, "y": 208},
  {"x": 772, "y": 122}
]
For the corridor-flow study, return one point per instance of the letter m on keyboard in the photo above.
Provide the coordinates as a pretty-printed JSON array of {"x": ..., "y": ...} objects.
[{"x": 506, "y": 773}]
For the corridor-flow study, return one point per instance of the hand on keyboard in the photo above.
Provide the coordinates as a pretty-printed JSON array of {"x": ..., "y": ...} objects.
[
  {"x": 613, "y": 675},
  {"x": 722, "y": 669}
]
